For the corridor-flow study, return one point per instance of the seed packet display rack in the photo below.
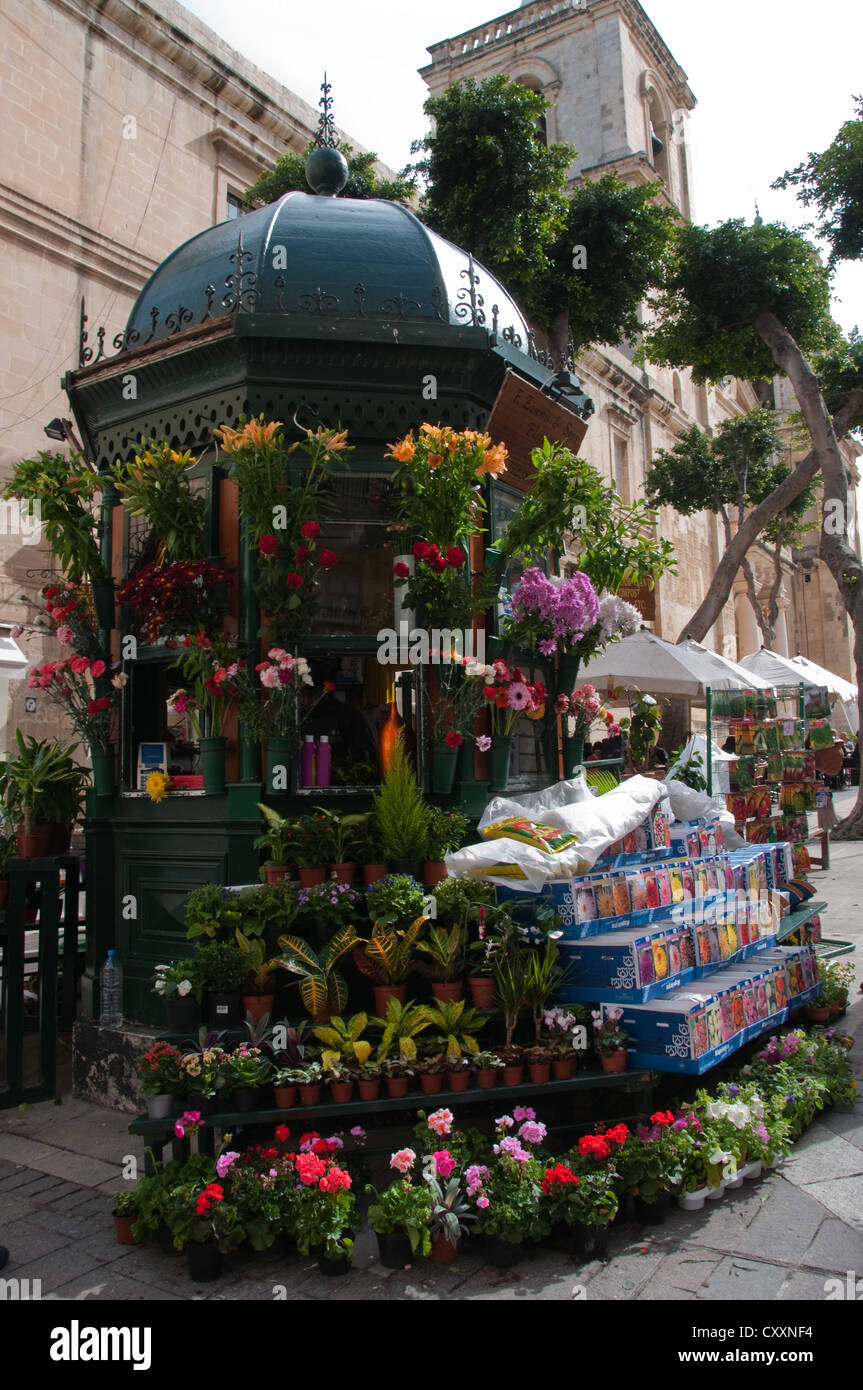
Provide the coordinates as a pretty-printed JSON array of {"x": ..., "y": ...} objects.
[{"x": 683, "y": 936}]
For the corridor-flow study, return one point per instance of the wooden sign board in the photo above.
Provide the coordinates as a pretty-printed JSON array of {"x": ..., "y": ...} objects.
[
  {"x": 642, "y": 596},
  {"x": 521, "y": 417}
]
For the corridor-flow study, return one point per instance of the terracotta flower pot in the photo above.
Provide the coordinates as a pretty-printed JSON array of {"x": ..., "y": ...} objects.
[
  {"x": 443, "y": 1252},
  {"x": 310, "y": 878},
  {"x": 310, "y": 1095},
  {"x": 276, "y": 873},
  {"x": 615, "y": 1062},
  {"x": 457, "y": 1080},
  {"x": 284, "y": 1097},
  {"x": 385, "y": 992},
  {"x": 562, "y": 1069},
  {"x": 123, "y": 1229},
  {"x": 257, "y": 1005},
  {"x": 373, "y": 873},
  {"x": 430, "y": 1083},
  {"x": 369, "y": 1090},
  {"x": 448, "y": 991},
  {"x": 341, "y": 1091},
  {"x": 486, "y": 1077},
  {"x": 434, "y": 872},
  {"x": 816, "y": 1014},
  {"x": 344, "y": 873},
  {"x": 513, "y": 1075},
  {"x": 29, "y": 844},
  {"x": 540, "y": 1072},
  {"x": 397, "y": 1086},
  {"x": 482, "y": 990}
]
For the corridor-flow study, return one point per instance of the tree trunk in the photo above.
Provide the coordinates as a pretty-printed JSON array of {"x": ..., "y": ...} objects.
[
  {"x": 558, "y": 336},
  {"x": 837, "y": 552},
  {"x": 722, "y": 583},
  {"x": 767, "y": 631}
]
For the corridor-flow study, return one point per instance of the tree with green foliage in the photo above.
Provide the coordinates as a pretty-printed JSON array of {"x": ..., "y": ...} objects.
[
  {"x": 754, "y": 301},
  {"x": 726, "y": 475},
  {"x": 579, "y": 266},
  {"x": 832, "y": 182},
  {"x": 289, "y": 175}
]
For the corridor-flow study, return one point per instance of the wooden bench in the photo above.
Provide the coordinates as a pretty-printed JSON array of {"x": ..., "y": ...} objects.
[{"x": 822, "y": 861}]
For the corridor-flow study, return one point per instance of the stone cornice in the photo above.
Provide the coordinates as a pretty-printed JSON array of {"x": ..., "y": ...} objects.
[{"x": 39, "y": 227}]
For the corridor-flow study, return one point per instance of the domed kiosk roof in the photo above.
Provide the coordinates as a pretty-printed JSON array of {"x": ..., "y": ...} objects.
[{"x": 307, "y": 254}]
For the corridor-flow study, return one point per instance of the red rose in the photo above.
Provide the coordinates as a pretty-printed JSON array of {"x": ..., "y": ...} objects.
[
  {"x": 455, "y": 557},
  {"x": 328, "y": 558},
  {"x": 400, "y": 570},
  {"x": 453, "y": 740},
  {"x": 328, "y": 685},
  {"x": 294, "y": 581},
  {"x": 310, "y": 529},
  {"x": 301, "y": 553},
  {"x": 421, "y": 550},
  {"x": 268, "y": 545},
  {"x": 438, "y": 563}
]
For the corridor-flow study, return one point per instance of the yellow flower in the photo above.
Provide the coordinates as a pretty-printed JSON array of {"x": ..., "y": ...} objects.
[
  {"x": 158, "y": 785},
  {"x": 538, "y": 713}
]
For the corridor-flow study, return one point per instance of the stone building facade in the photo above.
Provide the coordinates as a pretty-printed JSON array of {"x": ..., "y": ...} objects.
[{"x": 622, "y": 101}]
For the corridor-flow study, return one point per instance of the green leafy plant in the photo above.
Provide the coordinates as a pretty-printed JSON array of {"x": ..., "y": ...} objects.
[
  {"x": 445, "y": 949},
  {"x": 395, "y": 899},
  {"x": 178, "y": 981},
  {"x": 259, "y": 969},
  {"x": 339, "y": 836},
  {"x": 66, "y": 490},
  {"x": 642, "y": 728},
  {"x": 690, "y": 772},
  {"x": 213, "y": 912},
  {"x": 405, "y": 1207},
  {"x": 454, "y": 1025},
  {"x": 446, "y": 832},
  {"x": 398, "y": 1028},
  {"x": 43, "y": 783},
  {"x": 289, "y": 173},
  {"x": 343, "y": 1041},
  {"x": 126, "y": 1204},
  {"x": 284, "y": 840},
  {"x": 510, "y": 975},
  {"x": 545, "y": 974},
  {"x": 321, "y": 984},
  {"x": 157, "y": 487},
  {"x": 222, "y": 966},
  {"x": 400, "y": 810}
]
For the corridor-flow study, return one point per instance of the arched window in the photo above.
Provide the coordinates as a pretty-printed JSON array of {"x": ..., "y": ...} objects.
[{"x": 534, "y": 84}]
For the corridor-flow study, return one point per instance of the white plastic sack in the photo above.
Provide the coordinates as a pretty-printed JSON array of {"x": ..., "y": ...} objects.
[
  {"x": 687, "y": 804},
  {"x": 598, "y": 823}
]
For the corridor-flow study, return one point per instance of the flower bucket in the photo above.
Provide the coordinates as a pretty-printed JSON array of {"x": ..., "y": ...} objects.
[
  {"x": 394, "y": 1250},
  {"x": 369, "y": 1090},
  {"x": 245, "y": 1098},
  {"x": 513, "y": 1075},
  {"x": 444, "y": 766},
  {"x": 212, "y": 760},
  {"x": 573, "y": 755},
  {"x": 331, "y": 1269},
  {"x": 714, "y": 1193},
  {"x": 223, "y": 1011},
  {"x": 204, "y": 1262},
  {"x": 443, "y": 1252},
  {"x": 540, "y": 1072},
  {"x": 498, "y": 762},
  {"x": 652, "y": 1213},
  {"x": 752, "y": 1170},
  {"x": 384, "y": 992},
  {"x": 344, "y": 873},
  {"x": 310, "y": 1095},
  {"x": 341, "y": 1091},
  {"x": 280, "y": 759},
  {"x": 567, "y": 672},
  {"x": 123, "y": 1229},
  {"x": 397, "y": 1086},
  {"x": 562, "y": 1069},
  {"x": 159, "y": 1107},
  {"x": 103, "y": 771}
]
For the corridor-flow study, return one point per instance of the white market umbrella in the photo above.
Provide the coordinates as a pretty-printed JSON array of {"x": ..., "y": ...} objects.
[
  {"x": 778, "y": 670},
  {"x": 725, "y": 674},
  {"x": 835, "y": 684},
  {"x": 13, "y": 662},
  {"x": 647, "y": 663}
]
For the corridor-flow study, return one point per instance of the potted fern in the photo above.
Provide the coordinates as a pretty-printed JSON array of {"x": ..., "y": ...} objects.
[{"x": 402, "y": 815}]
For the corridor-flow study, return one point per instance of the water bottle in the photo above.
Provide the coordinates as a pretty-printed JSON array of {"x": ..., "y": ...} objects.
[
  {"x": 323, "y": 767},
  {"x": 111, "y": 994}
]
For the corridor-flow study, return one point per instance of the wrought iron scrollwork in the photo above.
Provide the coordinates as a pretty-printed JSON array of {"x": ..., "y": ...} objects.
[
  {"x": 210, "y": 292},
  {"x": 84, "y": 352},
  {"x": 241, "y": 285},
  {"x": 318, "y": 301},
  {"x": 509, "y": 335},
  {"x": 399, "y": 305},
  {"x": 360, "y": 300},
  {"x": 176, "y": 321},
  {"x": 154, "y": 319},
  {"x": 470, "y": 304},
  {"x": 441, "y": 304}
]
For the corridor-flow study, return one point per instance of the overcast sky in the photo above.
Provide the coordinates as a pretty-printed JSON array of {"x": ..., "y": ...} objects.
[{"x": 773, "y": 79}]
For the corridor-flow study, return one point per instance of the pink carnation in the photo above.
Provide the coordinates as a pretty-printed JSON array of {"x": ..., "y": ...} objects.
[{"x": 65, "y": 635}]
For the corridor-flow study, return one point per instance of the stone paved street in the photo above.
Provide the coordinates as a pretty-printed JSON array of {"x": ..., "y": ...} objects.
[{"x": 780, "y": 1238}]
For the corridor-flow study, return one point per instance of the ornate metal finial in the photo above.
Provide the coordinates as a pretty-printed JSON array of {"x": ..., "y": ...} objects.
[
  {"x": 759, "y": 220},
  {"x": 326, "y": 167},
  {"x": 326, "y": 136}
]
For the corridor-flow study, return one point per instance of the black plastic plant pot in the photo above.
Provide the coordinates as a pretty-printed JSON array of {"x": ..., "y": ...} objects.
[
  {"x": 183, "y": 1015},
  {"x": 600, "y": 1242},
  {"x": 413, "y": 867},
  {"x": 652, "y": 1213},
  {"x": 204, "y": 1262},
  {"x": 394, "y": 1250},
  {"x": 223, "y": 1010},
  {"x": 333, "y": 1268},
  {"x": 165, "y": 1239},
  {"x": 503, "y": 1254}
]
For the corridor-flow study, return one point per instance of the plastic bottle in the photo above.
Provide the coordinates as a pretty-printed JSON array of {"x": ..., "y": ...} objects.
[
  {"x": 324, "y": 761},
  {"x": 111, "y": 993},
  {"x": 307, "y": 761}
]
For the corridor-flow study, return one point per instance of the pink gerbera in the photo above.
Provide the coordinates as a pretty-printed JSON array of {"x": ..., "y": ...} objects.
[{"x": 519, "y": 695}]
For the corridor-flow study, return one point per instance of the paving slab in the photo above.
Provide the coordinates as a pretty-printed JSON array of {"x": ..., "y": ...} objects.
[
  {"x": 843, "y": 1197},
  {"x": 805, "y": 1286},
  {"x": 62, "y": 1266},
  {"x": 50, "y": 1220},
  {"x": 624, "y": 1275},
  {"x": 846, "y": 1123},
  {"x": 821, "y": 1154},
  {"x": 835, "y": 1247},
  {"x": 107, "y": 1286},
  {"x": 744, "y": 1280},
  {"x": 679, "y": 1274},
  {"x": 785, "y": 1226},
  {"x": 46, "y": 1158},
  {"x": 27, "y": 1241}
]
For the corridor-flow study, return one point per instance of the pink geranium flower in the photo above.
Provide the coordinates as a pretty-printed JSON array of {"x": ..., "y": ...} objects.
[
  {"x": 441, "y": 1122},
  {"x": 444, "y": 1162},
  {"x": 403, "y": 1160}
]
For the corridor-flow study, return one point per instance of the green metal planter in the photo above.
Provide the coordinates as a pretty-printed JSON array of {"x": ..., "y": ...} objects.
[
  {"x": 103, "y": 771},
  {"x": 498, "y": 761},
  {"x": 280, "y": 761},
  {"x": 444, "y": 767},
  {"x": 212, "y": 753}
]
